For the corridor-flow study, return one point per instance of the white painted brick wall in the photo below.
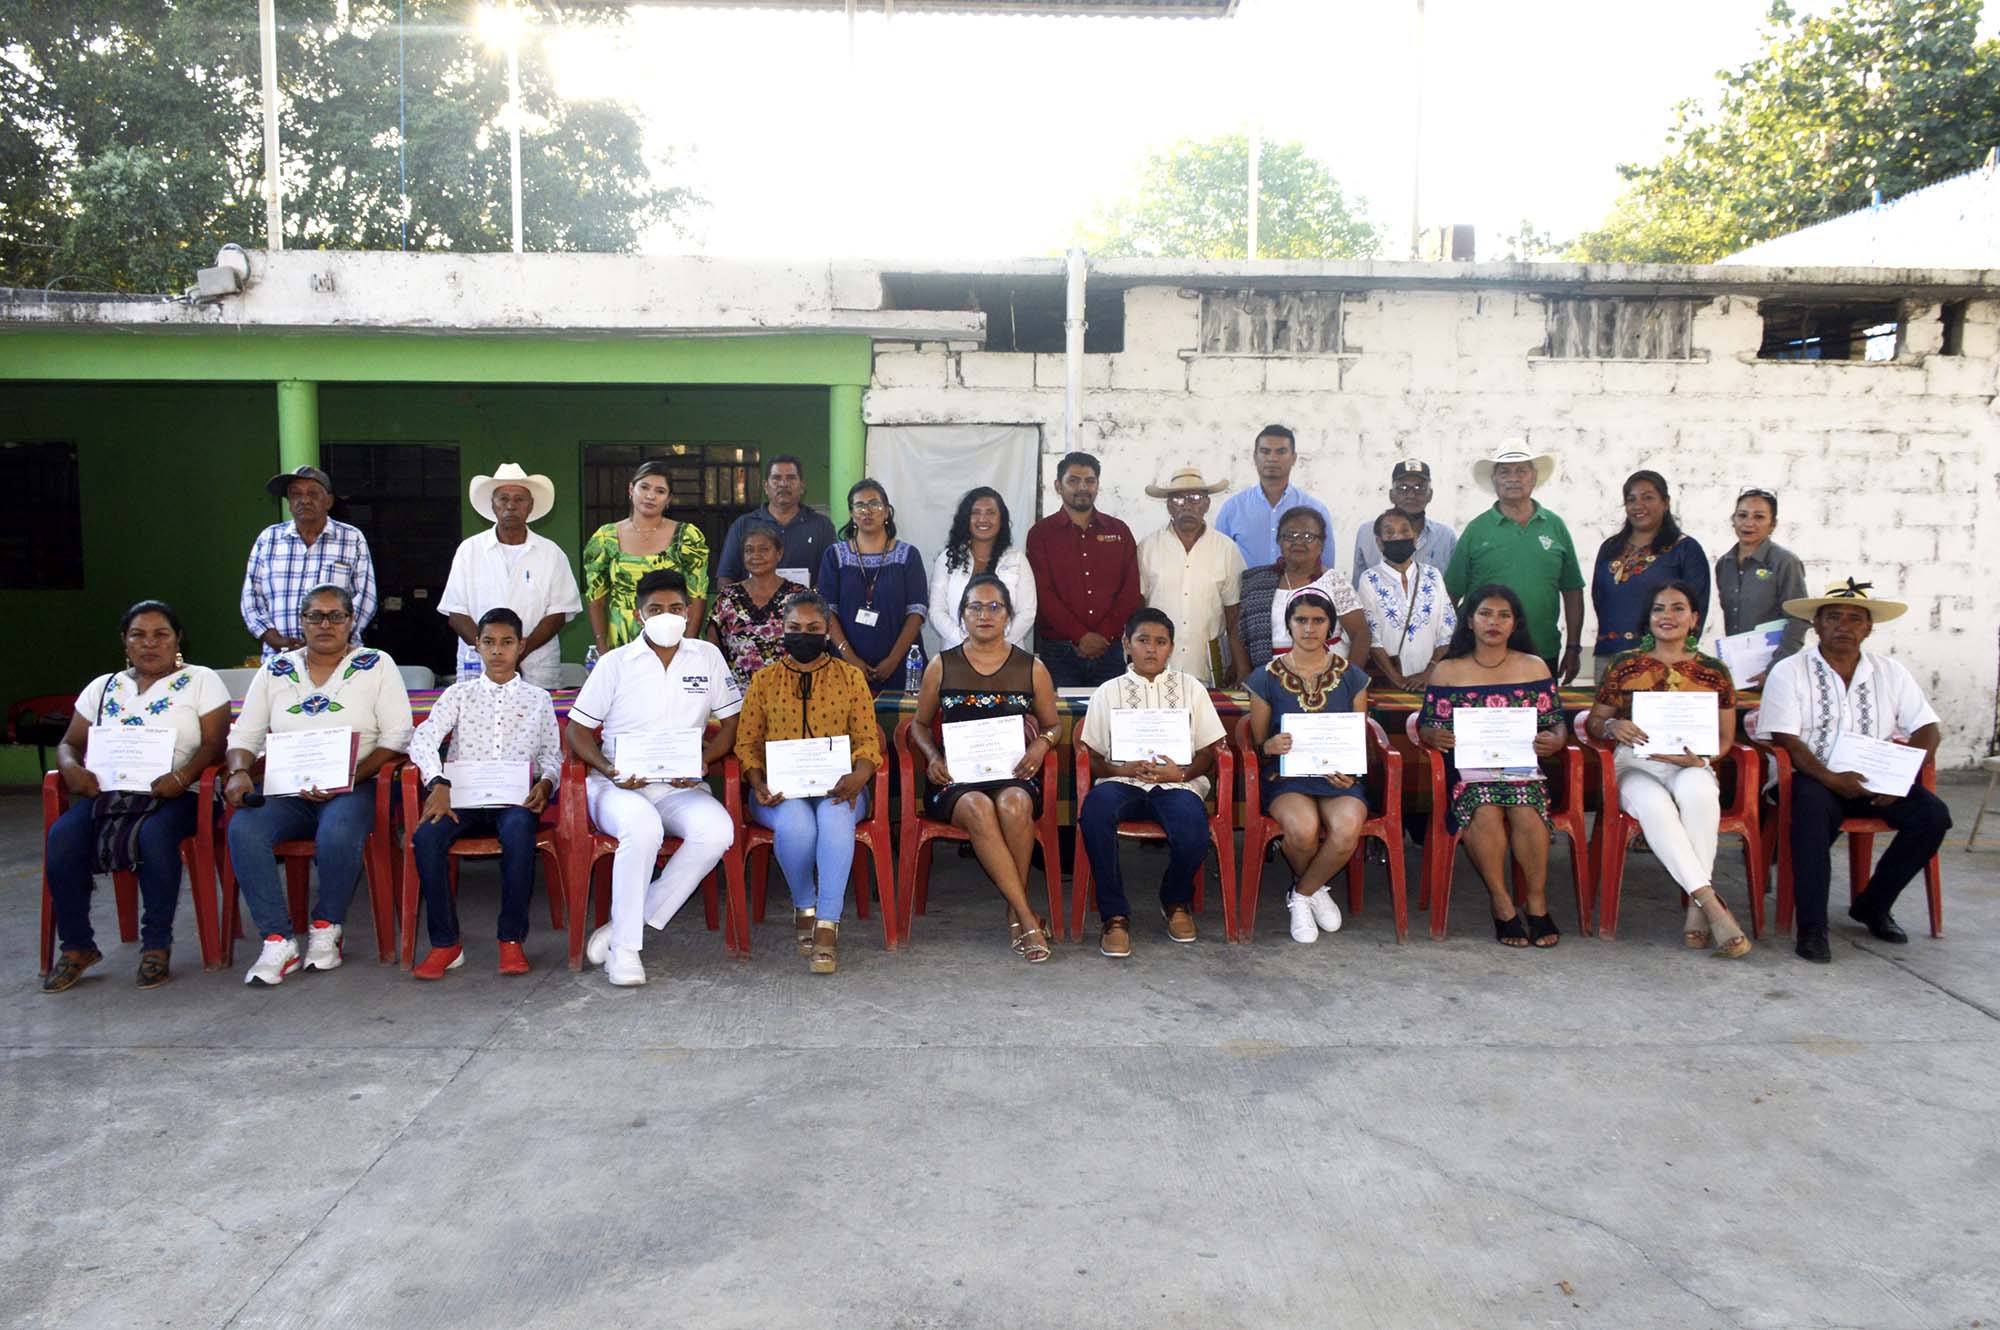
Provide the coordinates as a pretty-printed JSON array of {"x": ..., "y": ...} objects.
[{"x": 1888, "y": 472}]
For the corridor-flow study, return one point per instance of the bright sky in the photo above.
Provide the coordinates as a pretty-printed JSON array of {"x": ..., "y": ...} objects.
[{"x": 965, "y": 137}]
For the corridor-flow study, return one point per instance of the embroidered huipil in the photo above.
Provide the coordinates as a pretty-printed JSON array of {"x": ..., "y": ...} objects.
[
  {"x": 491, "y": 722},
  {"x": 176, "y": 702},
  {"x": 365, "y": 691},
  {"x": 1409, "y": 613}
]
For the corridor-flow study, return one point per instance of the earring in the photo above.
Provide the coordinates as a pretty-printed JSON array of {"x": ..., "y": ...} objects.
[
  {"x": 180, "y": 661},
  {"x": 1646, "y": 643}
]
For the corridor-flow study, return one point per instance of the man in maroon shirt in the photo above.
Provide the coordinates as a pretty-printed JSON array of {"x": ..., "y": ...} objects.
[{"x": 1086, "y": 579}]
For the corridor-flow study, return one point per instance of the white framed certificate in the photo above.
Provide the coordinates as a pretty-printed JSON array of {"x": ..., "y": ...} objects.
[
  {"x": 128, "y": 757},
  {"x": 806, "y": 768},
  {"x": 487, "y": 784},
  {"x": 989, "y": 749},
  {"x": 300, "y": 760},
  {"x": 1490, "y": 737},
  {"x": 659, "y": 755},
  {"x": 1149, "y": 734},
  {"x": 1325, "y": 743},
  {"x": 1678, "y": 723},
  {"x": 1884, "y": 767}
]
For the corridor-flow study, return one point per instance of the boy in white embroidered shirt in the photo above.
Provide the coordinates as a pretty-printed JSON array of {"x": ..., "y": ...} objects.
[{"x": 498, "y": 717}]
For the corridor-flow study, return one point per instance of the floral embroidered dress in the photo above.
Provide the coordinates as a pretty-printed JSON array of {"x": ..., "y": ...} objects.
[
  {"x": 364, "y": 691},
  {"x": 1622, "y": 587},
  {"x": 1468, "y": 795},
  {"x": 612, "y": 576},
  {"x": 966, "y": 694},
  {"x": 752, "y": 635},
  {"x": 1288, "y": 693}
]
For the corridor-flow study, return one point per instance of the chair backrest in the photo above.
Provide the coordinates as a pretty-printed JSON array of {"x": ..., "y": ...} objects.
[
  {"x": 416, "y": 676},
  {"x": 40, "y": 719},
  {"x": 237, "y": 681},
  {"x": 571, "y": 674}
]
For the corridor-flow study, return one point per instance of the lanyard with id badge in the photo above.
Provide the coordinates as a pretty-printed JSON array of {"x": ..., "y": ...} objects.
[{"x": 868, "y": 616}]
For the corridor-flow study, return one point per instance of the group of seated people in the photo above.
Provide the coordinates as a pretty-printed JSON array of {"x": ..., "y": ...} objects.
[{"x": 790, "y": 656}]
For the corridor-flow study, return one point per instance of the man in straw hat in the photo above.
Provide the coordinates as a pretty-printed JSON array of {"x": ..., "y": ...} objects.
[
  {"x": 1522, "y": 545},
  {"x": 1815, "y": 704},
  {"x": 513, "y": 567},
  {"x": 1192, "y": 572}
]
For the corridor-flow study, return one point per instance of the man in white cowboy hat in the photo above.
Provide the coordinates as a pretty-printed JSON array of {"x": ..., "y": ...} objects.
[
  {"x": 1520, "y": 544},
  {"x": 512, "y": 566},
  {"x": 1833, "y": 691},
  {"x": 1192, "y": 572}
]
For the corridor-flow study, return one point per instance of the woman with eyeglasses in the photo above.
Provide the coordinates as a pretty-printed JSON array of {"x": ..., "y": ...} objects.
[
  {"x": 1261, "y": 630},
  {"x": 619, "y": 553},
  {"x": 329, "y": 683},
  {"x": 981, "y": 541},
  {"x": 124, "y": 830},
  {"x": 875, "y": 589},
  {"x": 1648, "y": 552},
  {"x": 982, "y": 678},
  {"x": 1754, "y": 580}
]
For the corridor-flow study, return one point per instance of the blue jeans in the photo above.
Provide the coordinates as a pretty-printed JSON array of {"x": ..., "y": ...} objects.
[
  {"x": 337, "y": 829},
  {"x": 1180, "y": 813},
  {"x": 1069, "y": 669},
  {"x": 431, "y": 845},
  {"x": 68, "y": 863},
  {"x": 814, "y": 845}
]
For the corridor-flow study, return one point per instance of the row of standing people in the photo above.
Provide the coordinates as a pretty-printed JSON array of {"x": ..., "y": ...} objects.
[{"x": 665, "y": 680}]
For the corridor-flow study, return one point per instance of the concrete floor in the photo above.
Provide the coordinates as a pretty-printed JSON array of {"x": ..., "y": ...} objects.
[{"x": 1353, "y": 1133}]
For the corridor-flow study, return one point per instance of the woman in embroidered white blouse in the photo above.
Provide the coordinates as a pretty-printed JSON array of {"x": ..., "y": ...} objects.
[{"x": 326, "y": 684}]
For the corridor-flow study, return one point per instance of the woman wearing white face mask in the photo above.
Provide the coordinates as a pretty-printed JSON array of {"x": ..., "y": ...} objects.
[{"x": 665, "y": 680}]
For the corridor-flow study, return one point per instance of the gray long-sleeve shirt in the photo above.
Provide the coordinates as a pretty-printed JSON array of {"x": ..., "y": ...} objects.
[{"x": 1755, "y": 592}]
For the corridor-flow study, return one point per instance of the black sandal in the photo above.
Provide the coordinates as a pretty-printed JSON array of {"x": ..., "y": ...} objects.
[
  {"x": 1542, "y": 926},
  {"x": 69, "y": 968},
  {"x": 1510, "y": 932}
]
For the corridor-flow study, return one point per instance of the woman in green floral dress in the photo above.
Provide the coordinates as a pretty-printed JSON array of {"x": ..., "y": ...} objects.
[{"x": 618, "y": 554}]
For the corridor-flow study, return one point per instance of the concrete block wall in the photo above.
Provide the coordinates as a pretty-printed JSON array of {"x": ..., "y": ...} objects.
[{"x": 1888, "y": 472}]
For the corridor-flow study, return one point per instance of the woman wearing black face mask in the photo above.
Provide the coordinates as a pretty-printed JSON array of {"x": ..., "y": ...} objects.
[
  {"x": 1410, "y": 617},
  {"x": 808, "y": 694}
]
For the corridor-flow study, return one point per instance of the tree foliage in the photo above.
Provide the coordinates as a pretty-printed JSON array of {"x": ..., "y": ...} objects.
[
  {"x": 1191, "y": 202},
  {"x": 131, "y": 138},
  {"x": 1874, "y": 94}
]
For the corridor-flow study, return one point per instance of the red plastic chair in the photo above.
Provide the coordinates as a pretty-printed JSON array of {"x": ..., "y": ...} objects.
[
  {"x": 1861, "y": 834},
  {"x": 1441, "y": 845},
  {"x": 1261, "y": 833},
  {"x": 754, "y": 842},
  {"x": 1221, "y": 834},
  {"x": 913, "y": 890},
  {"x": 586, "y": 877},
  {"x": 1612, "y": 837},
  {"x": 197, "y": 856},
  {"x": 409, "y": 891},
  {"x": 378, "y": 874}
]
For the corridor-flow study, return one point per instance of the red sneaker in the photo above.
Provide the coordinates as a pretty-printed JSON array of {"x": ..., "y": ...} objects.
[
  {"x": 513, "y": 960},
  {"x": 438, "y": 961}
]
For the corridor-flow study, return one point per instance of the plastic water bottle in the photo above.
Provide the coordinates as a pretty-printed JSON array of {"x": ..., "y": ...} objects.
[
  {"x": 470, "y": 669},
  {"x": 913, "y": 669},
  {"x": 590, "y": 658}
]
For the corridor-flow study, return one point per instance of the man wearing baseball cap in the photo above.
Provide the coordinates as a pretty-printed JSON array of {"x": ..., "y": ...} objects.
[
  {"x": 1409, "y": 494},
  {"x": 290, "y": 558}
]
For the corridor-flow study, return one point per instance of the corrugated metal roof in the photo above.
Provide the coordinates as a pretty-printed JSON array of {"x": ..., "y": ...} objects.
[
  {"x": 1954, "y": 223},
  {"x": 1116, "y": 8}
]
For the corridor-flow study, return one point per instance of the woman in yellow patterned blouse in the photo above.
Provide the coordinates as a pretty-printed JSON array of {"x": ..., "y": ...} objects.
[{"x": 618, "y": 554}]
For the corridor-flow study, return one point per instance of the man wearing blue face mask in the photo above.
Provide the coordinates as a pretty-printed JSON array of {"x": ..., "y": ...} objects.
[{"x": 662, "y": 681}]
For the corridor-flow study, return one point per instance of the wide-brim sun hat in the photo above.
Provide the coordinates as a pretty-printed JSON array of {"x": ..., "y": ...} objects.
[
  {"x": 1184, "y": 481},
  {"x": 509, "y": 473},
  {"x": 1849, "y": 592},
  {"x": 1514, "y": 450}
]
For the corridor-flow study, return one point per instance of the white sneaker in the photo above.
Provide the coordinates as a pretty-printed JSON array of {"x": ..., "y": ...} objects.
[
  {"x": 279, "y": 958},
  {"x": 323, "y": 946},
  {"x": 1325, "y": 912},
  {"x": 1303, "y": 927},
  {"x": 623, "y": 968},
  {"x": 598, "y": 948}
]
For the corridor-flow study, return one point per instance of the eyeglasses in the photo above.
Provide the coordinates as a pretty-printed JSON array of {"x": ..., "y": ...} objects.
[
  {"x": 1300, "y": 537},
  {"x": 866, "y": 506},
  {"x": 985, "y": 607},
  {"x": 1410, "y": 487},
  {"x": 1186, "y": 500},
  {"x": 317, "y": 617}
]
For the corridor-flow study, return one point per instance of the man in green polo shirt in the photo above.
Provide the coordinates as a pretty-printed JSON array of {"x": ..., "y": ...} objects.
[{"x": 1522, "y": 545}]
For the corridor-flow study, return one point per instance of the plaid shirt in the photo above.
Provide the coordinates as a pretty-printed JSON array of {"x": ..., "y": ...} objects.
[{"x": 283, "y": 568}]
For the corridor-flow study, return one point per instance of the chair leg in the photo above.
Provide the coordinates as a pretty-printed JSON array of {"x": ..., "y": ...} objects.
[
  {"x": 885, "y": 892},
  {"x": 1860, "y": 860},
  {"x": 1444, "y": 844},
  {"x": 298, "y": 881},
  {"x": 201, "y": 893},
  {"x": 1225, "y": 872},
  {"x": 1082, "y": 891},
  {"x": 759, "y": 864},
  {"x": 1934, "y": 892},
  {"x": 1399, "y": 901},
  {"x": 125, "y": 886},
  {"x": 409, "y": 892},
  {"x": 1613, "y": 844},
  {"x": 1753, "y": 873},
  {"x": 48, "y": 953},
  {"x": 1052, "y": 873},
  {"x": 1256, "y": 843}
]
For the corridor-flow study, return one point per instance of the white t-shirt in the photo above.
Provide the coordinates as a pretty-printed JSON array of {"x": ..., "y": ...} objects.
[
  {"x": 629, "y": 691},
  {"x": 533, "y": 579},
  {"x": 176, "y": 702}
]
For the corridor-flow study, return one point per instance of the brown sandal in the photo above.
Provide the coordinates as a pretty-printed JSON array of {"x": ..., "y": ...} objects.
[
  {"x": 825, "y": 949},
  {"x": 153, "y": 969},
  {"x": 69, "y": 968}
]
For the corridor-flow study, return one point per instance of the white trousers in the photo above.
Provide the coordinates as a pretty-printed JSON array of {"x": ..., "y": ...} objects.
[
  {"x": 1679, "y": 809},
  {"x": 641, "y": 819}
]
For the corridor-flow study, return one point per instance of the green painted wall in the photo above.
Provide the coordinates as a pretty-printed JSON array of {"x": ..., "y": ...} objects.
[{"x": 171, "y": 485}]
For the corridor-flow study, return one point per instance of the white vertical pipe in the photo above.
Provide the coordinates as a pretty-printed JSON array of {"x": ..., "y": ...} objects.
[
  {"x": 1073, "y": 326},
  {"x": 514, "y": 124},
  {"x": 1417, "y": 143},
  {"x": 267, "y": 47}
]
